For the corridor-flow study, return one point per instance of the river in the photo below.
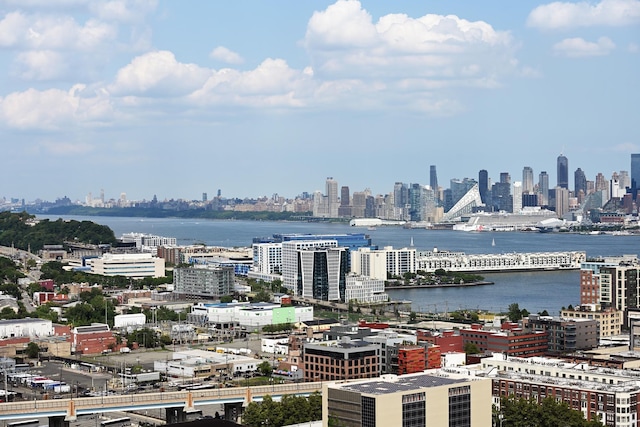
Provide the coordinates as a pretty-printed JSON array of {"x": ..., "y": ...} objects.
[{"x": 534, "y": 291}]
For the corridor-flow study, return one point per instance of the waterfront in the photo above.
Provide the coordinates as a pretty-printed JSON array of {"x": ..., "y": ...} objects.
[{"x": 533, "y": 291}]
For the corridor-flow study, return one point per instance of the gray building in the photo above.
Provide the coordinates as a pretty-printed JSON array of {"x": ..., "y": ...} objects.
[
  {"x": 204, "y": 282},
  {"x": 565, "y": 335}
]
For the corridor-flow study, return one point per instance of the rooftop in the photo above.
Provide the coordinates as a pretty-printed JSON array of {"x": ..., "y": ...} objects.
[{"x": 394, "y": 384}]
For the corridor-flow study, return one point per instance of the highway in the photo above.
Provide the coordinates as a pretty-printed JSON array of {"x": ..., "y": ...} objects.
[{"x": 71, "y": 408}]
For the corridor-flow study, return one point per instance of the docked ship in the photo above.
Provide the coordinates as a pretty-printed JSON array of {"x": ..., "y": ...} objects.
[{"x": 431, "y": 261}]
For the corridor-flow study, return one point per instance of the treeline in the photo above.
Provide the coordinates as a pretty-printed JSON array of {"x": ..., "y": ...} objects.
[
  {"x": 290, "y": 410},
  {"x": 155, "y": 212},
  {"x": 16, "y": 231}
]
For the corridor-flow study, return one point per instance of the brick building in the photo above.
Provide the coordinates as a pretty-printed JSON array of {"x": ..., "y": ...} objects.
[{"x": 346, "y": 359}]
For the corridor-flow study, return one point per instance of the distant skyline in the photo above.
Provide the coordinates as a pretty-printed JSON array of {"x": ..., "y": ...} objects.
[{"x": 253, "y": 98}]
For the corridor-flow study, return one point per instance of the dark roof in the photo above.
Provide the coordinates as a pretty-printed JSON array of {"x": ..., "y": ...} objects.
[
  {"x": 208, "y": 422},
  {"x": 319, "y": 322}
]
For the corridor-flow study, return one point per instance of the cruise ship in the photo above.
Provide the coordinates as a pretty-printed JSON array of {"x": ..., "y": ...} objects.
[{"x": 431, "y": 261}]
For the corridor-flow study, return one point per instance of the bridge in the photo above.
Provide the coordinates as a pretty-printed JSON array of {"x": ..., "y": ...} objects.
[{"x": 177, "y": 403}]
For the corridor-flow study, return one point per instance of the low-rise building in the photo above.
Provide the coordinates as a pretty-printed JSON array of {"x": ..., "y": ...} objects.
[
  {"x": 128, "y": 265},
  {"x": 609, "y": 319},
  {"x": 612, "y": 395},
  {"x": 340, "y": 360},
  {"x": 565, "y": 335},
  {"x": 436, "y": 399}
]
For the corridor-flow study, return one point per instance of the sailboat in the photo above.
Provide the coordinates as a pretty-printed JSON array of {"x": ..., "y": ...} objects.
[{"x": 493, "y": 242}]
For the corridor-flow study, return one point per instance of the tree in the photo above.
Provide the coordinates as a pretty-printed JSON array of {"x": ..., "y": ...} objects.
[
  {"x": 262, "y": 296},
  {"x": 33, "y": 350},
  {"x": 412, "y": 317},
  {"x": 265, "y": 368},
  {"x": 516, "y": 412},
  {"x": 514, "y": 314},
  {"x": 471, "y": 348}
]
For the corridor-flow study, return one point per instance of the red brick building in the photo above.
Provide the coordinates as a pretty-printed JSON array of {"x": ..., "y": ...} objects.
[
  {"x": 433, "y": 357},
  {"x": 511, "y": 340},
  {"x": 411, "y": 359},
  {"x": 448, "y": 341},
  {"x": 92, "y": 339}
]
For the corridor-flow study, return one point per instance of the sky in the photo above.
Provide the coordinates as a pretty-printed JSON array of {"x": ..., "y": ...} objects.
[{"x": 252, "y": 98}]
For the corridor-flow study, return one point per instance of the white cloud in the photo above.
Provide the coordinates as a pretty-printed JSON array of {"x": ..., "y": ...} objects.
[
  {"x": 54, "y": 108},
  {"x": 633, "y": 48},
  {"x": 223, "y": 54},
  {"x": 564, "y": 15},
  {"x": 53, "y": 32},
  {"x": 626, "y": 147},
  {"x": 344, "y": 42},
  {"x": 159, "y": 74},
  {"x": 579, "y": 48},
  {"x": 40, "y": 65}
]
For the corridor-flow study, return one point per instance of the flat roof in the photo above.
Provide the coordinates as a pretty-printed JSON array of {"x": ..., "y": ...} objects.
[{"x": 401, "y": 383}]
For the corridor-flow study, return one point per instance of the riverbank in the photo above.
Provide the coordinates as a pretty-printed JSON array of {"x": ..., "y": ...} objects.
[{"x": 441, "y": 285}]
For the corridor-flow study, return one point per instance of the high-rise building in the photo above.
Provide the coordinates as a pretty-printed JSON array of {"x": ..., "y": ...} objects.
[
  {"x": 527, "y": 180},
  {"x": 433, "y": 178},
  {"x": 332, "y": 197},
  {"x": 561, "y": 201},
  {"x": 344, "y": 210},
  {"x": 315, "y": 268},
  {"x": 543, "y": 188},
  {"x": 635, "y": 174},
  {"x": 400, "y": 195},
  {"x": 563, "y": 172},
  {"x": 579, "y": 184},
  {"x": 483, "y": 185},
  {"x": 517, "y": 197}
]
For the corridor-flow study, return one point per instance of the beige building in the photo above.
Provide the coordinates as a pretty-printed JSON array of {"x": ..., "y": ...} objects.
[
  {"x": 430, "y": 400},
  {"x": 609, "y": 320},
  {"x": 128, "y": 265}
]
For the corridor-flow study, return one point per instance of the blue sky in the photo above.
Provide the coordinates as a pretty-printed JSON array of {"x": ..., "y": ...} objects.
[{"x": 254, "y": 98}]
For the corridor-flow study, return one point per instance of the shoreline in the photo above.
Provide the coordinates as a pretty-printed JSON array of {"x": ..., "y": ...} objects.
[{"x": 443, "y": 285}]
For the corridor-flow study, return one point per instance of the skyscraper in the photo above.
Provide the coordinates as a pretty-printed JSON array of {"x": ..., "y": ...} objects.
[
  {"x": 433, "y": 178},
  {"x": 635, "y": 174},
  {"x": 332, "y": 197},
  {"x": 527, "y": 180},
  {"x": 543, "y": 188},
  {"x": 517, "y": 197},
  {"x": 579, "y": 184},
  {"x": 483, "y": 185},
  {"x": 563, "y": 172}
]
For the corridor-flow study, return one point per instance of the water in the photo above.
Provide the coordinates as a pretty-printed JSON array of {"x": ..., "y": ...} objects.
[{"x": 534, "y": 291}]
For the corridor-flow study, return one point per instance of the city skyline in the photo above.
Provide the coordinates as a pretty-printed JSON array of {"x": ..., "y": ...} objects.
[{"x": 155, "y": 98}]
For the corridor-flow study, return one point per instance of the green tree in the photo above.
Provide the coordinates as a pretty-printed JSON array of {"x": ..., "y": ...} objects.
[
  {"x": 262, "y": 296},
  {"x": 520, "y": 412},
  {"x": 33, "y": 350},
  {"x": 514, "y": 313},
  {"x": 265, "y": 368},
  {"x": 471, "y": 348},
  {"x": 413, "y": 316}
]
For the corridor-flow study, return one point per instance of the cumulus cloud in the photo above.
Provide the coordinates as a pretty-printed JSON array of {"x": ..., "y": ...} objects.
[
  {"x": 158, "y": 74},
  {"x": 83, "y": 34},
  {"x": 223, "y": 54},
  {"x": 564, "y": 15},
  {"x": 579, "y": 48},
  {"x": 54, "y": 108},
  {"x": 343, "y": 41}
]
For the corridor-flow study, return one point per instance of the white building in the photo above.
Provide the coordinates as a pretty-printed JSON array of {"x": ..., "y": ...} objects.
[
  {"x": 377, "y": 263},
  {"x": 125, "y": 320},
  {"x": 267, "y": 258},
  {"x": 128, "y": 265},
  {"x": 249, "y": 316},
  {"x": 34, "y": 328},
  {"x": 148, "y": 242},
  {"x": 365, "y": 289},
  {"x": 290, "y": 252},
  {"x": 200, "y": 363}
]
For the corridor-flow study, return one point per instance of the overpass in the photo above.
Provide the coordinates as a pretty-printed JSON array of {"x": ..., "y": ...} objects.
[{"x": 178, "y": 404}]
